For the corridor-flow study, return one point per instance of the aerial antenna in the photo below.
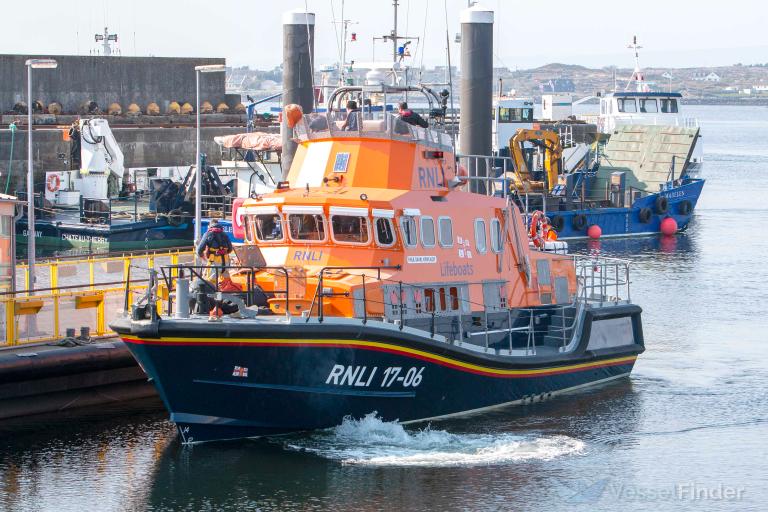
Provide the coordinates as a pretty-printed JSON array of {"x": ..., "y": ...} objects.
[
  {"x": 106, "y": 37},
  {"x": 310, "y": 43},
  {"x": 450, "y": 76},
  {"x": 637, "y": 75}
]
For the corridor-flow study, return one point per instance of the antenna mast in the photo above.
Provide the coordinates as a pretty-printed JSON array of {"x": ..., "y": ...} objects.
[
  {"x": 637, "y": 75},
  {"x": 106, "y": 37}
]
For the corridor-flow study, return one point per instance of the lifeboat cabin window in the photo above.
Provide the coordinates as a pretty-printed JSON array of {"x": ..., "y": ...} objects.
[
  {"x": 385, "y": 233},
  {"x": 266, "y": 227},
  {"x": 481, "y": 242},
  {"x": 669, "y": 106},
  {"x": 626, "y": 105},
  {"x": 496, "y": 240},
  {"x": 408, "y": 228},
  {"x": 427, "y": 232},
  {"x": 446, "y": 231},
  {"x": 306, "y": 227},
  {"x": 648, "y": 105},
  {"x": 350, "y": 227},
  {"x": 429, "y": 299}
]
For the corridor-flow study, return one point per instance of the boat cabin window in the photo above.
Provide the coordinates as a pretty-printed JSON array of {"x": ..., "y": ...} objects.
[
  {"x": 626, "y": 105},
  {"x": 515, "y": 115},
  {"x": 427, "y": 232},
  {"x": 496, "y": 238},
  {"x": 350, "y": 229},
  {"x": 408, "y": 228},
  {"x": 429, "y": 299},
  {"x": 265, "y": 227},
  {"x": 306, "y": 227},
  {"x": 446, "y": 231},
  {"x": 481, "y": 243},
  {"x": 669, "y": 106},
  {"x": 454, "y": 293},
  {"x": 648, "y": 105},
  {"x": 385, "y": 233}
]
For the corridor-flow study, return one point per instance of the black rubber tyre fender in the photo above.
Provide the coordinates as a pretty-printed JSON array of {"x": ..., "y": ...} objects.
[
  {"x": 579, "y": 222},
  {"x": 684, "y": 207},
  {"x": 175, "y": 217},
  {"x": 645, "y": 215},
  {"x": 661, "y": 205},
  {"x": 558, "y": 222}
]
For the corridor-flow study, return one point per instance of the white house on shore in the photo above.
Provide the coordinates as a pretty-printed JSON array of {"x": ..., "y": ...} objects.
[{"x": 706, "y": 77}]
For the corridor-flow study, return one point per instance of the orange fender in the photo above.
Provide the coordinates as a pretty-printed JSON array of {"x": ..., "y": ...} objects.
[{"x": 293, "y": 114}]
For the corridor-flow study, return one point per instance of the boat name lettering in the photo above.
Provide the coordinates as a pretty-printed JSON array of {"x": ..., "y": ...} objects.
[
  {"x": 38, "y": 234},
  {"x": 449, "y": 269},
  {"x": 83, "y": 238},
  {"x": 421, "y": 259},
  {"x": 307, "y": 256},
  {"x": 430, "y": 177},
  {"x": 362, "y": 376},
  {"x": 673, "y": 195}
]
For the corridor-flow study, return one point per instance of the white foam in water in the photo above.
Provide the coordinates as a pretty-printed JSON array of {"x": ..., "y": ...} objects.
[{"x": 373, "y": 442}]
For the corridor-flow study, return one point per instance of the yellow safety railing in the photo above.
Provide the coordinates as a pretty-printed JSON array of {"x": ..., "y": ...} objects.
[{"x": 74, "y": 293}]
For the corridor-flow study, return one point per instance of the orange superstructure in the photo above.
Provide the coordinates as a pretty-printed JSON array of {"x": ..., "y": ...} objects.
[{"x": 388, "y": 195}]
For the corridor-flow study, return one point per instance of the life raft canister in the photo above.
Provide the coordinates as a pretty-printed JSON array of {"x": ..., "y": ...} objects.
[{"x": 53, "y": 182}]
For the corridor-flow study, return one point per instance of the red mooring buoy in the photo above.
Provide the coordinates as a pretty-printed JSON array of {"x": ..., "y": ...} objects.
[
  {"x": 594, "y": 232},
  {"x": 668, "y": 226}
]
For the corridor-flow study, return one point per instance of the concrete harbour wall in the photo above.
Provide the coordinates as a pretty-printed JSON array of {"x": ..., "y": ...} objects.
[{"x": 105, "y": 80}]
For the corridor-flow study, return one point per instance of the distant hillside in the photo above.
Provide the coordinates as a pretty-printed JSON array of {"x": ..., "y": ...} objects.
[{"x": 724, "y": 84}]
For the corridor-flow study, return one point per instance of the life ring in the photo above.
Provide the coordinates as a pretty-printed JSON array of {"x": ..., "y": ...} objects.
[
  {"x": 645, "y": 215},
  {"x": 536, "y": 231},
  {"x": 558, "y": 222},
  {"x": 684, "y": 207},
  {"x": 53, "y": 182},
  {"x": 661, "y": 205},
  {"x": 579, "y": 222}
]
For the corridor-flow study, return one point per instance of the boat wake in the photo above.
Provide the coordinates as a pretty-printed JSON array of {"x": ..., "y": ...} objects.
[{"x": 373, "y": 442}]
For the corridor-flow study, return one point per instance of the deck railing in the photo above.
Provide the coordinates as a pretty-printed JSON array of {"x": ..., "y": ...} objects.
[
  {"x": 76, "y": 292},
  {"x": 450, "y": 312},
  {"x": 602, "y": 280}
]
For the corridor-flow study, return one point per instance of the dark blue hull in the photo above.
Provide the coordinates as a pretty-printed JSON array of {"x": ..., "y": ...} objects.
[
  {"x": 628, "y": 221},
  {"x": 218, "y": 385}
]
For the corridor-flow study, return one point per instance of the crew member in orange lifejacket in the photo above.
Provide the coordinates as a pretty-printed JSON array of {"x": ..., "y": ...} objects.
[
  {"x": 549, "y": 231},
  {"x": 215, "y": 247}
]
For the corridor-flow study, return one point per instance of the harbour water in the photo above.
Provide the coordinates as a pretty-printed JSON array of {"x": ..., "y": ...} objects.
[{"x": 687, "y": 432}]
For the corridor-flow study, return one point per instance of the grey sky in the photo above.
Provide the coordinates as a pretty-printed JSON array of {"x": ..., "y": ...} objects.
[{"x": 248, "y": 32}]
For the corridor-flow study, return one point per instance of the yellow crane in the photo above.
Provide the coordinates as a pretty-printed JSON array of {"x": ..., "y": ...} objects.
[{"x": 553, "y": 153}]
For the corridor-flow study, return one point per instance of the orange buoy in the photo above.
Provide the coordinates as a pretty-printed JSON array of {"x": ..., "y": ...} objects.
[
  {"x": 293, "y": 114},
  {"x": 594, "y": 232},
  {"x": 668, "y": 226}
]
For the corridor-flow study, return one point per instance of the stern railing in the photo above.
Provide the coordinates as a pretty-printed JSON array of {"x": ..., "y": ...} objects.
[{"x": 602, "y": 280}]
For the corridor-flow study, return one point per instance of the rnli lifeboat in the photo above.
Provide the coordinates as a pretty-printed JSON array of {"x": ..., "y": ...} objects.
[{"x": 379, "y": 277}]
